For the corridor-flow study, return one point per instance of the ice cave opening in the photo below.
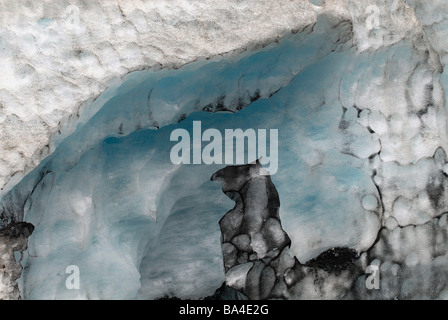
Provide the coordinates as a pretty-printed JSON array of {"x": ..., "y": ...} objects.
[{"x": 353, "y": 127}]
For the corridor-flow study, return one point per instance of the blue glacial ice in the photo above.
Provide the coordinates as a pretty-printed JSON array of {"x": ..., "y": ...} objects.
[{"x": 352, "y": 128}]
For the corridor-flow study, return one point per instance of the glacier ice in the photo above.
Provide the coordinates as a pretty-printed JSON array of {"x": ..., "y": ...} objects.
[
  {"x": 362, "y": 138},
  {"x": 81, "y": 49}
]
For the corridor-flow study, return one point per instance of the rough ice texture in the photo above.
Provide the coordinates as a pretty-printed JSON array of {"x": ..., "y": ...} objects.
[
  {"x": 13, "y": 242},
  {"x": 252, "y": 238},
  {"x": 269, "y": 271},
  {"x": 362, "y": 119},
  {"x": 58, "y": 57},
  {"x": 413, "y": 262}
]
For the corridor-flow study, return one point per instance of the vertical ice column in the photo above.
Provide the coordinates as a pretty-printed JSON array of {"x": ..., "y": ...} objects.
[
  {"x": 253, "y": 242},
  {"x": 13, "y": 238}
]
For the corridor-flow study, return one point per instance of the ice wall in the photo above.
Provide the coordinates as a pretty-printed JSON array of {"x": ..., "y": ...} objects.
[
  {"x": 362, "y": 164},
  {"x": 59, "y": 56}
]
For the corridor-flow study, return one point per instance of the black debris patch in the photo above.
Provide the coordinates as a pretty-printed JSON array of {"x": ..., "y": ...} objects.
[
  {"x": 208, "y": 108},
  {"x": 240, "y": 104},
  {"x": 182, "y": 117},
  {"x": 219, "y": 105},
  {"x": 17, "y": 229},
  {"x": 256, "y": 96},
  {"x": 422, "y": 112},
  {"x": 334, "y": 260},
  {"x": 429, "y": 100}
]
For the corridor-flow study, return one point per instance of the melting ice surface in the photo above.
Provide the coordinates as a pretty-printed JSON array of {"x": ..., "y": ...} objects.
[{"x": 109, "y": 200}]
